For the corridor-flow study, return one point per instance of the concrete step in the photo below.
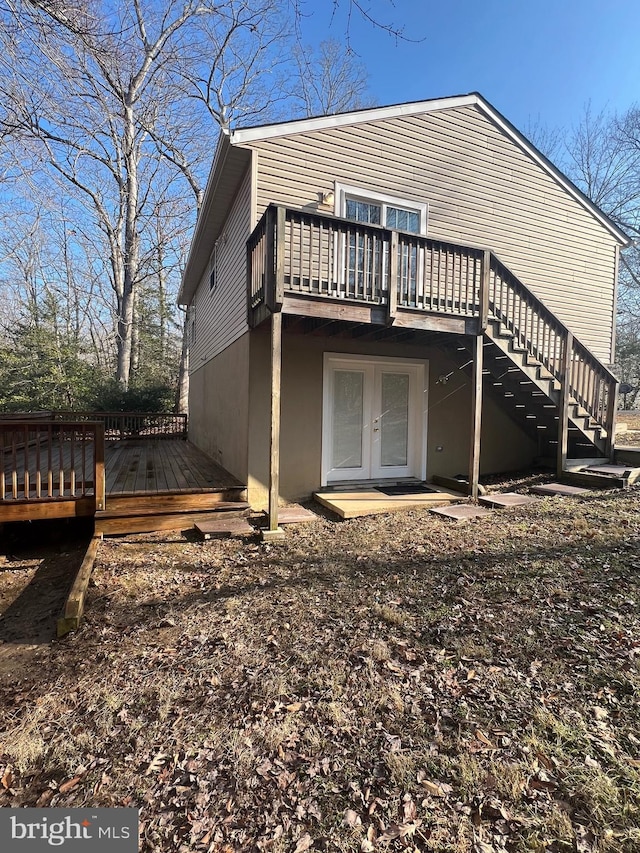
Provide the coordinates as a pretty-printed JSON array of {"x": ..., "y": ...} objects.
[
  {"x": 223, "y": 528},
  {"x": 561, "y": 489}
]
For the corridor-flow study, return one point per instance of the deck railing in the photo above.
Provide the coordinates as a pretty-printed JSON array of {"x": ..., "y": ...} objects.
[
  {"x": 589, "y": 382},
  {"x": 326, "y": 257},
  {"x": 124, "y": 425},
  {"x": 46, "y": 460}
]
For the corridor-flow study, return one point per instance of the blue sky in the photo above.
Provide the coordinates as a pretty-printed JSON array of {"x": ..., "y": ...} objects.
[{"x": 537, "y": 61}]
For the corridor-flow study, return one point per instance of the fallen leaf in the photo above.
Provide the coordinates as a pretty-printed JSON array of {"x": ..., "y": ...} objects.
[
  {"x": 294, "y": 706},
  {"x": 351, "y": 818},
  {"x": 7, "y": 779},
  {"x": 304, "y": 843},
  {"x": 69, "y": 784},
  {"x": 156, "y": 764},
  {"x": 435, "y": 788},
  {"x": 481, "y": 736}
]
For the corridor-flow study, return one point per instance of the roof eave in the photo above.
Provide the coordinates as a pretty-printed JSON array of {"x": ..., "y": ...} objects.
[{"x": 210, "y": 218}]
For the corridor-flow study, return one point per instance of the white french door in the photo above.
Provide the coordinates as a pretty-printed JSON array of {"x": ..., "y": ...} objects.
[{"x": 374, "y": 418}]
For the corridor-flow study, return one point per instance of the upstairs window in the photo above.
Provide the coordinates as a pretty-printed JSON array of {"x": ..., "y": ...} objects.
[
  {"x": 378, "y": 209},
  {"x": 362, "y": 259}
]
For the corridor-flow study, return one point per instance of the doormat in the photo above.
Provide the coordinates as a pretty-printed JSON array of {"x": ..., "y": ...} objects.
[{"x": 406, "y": 489}]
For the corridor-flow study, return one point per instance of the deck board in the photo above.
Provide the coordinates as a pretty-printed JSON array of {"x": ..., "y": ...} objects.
[
  {"x": 133, "y": 467},
  {"x": 167, "y": 466}
]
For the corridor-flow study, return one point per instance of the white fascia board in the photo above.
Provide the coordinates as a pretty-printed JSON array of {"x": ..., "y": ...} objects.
[
  {"x": 199, "y": 230},
  {"x": 304, "y": 125}
]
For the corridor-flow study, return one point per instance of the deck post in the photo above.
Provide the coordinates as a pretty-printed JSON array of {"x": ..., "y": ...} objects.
[
  {"x": 484, "y": 289},
  {"x": 99, "y": 480},
  {"x": 476, "y": 417},
  {"x": 612, "y": 416},
  {"x": 563, "y": 406},
  {"x": 273, "y": 531},
  {"x": 392, "y": 293}
]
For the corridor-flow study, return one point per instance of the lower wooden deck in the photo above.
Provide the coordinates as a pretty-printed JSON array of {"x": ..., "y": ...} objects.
[
  {"x": 143, "y": 477},
  {"x": 142, "y": 467}
]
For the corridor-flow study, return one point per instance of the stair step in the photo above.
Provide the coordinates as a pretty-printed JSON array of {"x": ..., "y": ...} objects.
[
  {"x": 503, "y": 500},
  {"x": 223, "y": 528},
  {"x": 562, "y": 489},
  {"x": 226, "y": 507}
]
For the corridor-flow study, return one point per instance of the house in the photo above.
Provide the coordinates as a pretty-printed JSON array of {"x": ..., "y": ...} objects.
[{"x": 416, "y": 289}]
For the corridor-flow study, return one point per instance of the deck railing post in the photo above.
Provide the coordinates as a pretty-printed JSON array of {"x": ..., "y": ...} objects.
[
  {"x": 485, "y": 271},
  {"x": 563, "y": 407},
  {"x": 281, "y": 225},
  {"x": 394, "y": 283},
  {"x": 99, "y": 480},
  {"x": 610, "y": 424}
]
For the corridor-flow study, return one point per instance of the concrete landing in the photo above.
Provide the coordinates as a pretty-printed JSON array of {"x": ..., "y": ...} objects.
[
  {"x": 460, "y": 512},
  {"x": 370, "y": 501},
  {"x": 558, "y": 489},
  {"x": 506, "y": 499}
]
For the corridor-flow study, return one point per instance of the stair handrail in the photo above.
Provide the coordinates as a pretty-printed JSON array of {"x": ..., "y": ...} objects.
[{"x": 591, "y": 383}]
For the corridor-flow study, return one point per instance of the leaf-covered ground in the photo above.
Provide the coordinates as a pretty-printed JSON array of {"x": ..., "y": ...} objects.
[{"x": 387, "y": 683}]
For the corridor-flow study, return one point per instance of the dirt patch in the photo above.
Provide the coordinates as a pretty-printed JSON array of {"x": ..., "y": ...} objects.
[{"x": 38, "y": 563}]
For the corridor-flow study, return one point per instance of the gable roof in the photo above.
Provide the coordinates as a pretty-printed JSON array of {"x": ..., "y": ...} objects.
[{"x": 233, "y": 156}]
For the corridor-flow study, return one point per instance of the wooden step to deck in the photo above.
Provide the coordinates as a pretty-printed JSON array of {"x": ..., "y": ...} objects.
[
  {"x": 149, "y": 518},
  {"x": 223, "y": 528},
  {"x": 625, "y": 472}
]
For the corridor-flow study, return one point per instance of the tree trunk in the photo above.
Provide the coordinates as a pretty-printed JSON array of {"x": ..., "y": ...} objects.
[{"x": 182, "y": 391}]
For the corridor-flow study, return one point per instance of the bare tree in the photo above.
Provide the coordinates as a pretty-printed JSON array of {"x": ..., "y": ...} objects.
[
  {"x": 108, "y": 80},
  {"x": 329, "y": 79},
  {"x": 115, "y": 107}
]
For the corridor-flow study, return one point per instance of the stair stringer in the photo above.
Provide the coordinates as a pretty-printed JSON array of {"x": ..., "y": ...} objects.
[{"x": 545, "y": 382}]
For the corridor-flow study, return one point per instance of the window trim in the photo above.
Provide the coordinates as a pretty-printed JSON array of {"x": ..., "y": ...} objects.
[{"x": 347, "y": 191}]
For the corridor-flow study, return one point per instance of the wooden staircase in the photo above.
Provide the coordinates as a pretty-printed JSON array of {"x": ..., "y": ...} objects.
[
  {"x": 532, "y": 396},
  {"x": 549, "y": 383}
]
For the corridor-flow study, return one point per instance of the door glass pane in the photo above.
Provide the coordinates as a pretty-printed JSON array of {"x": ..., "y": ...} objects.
[
  {"x": 394, "y": 419},
  {"x": 348, "y": 397}
]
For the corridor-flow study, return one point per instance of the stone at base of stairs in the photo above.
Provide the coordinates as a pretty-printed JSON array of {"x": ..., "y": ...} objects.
[
  {"x": 294, "y": 514},
  {"x": 624, "y": 471},
  {"x": 223, "y": 528},
  {"x": 506, "y": 499},
  {"x": 460, "y": 512},
  {"x": 558, "y": 489}
]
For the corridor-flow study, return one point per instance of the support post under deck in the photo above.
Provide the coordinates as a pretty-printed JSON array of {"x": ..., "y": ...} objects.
[
  {"x": 273, "y": 531},
  {"x": 563, "y": 407},
  {"x": 476, "y": 417}
]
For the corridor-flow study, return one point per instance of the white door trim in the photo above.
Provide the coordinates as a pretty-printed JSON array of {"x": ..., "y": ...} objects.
[{"x": 371, "y": 367}]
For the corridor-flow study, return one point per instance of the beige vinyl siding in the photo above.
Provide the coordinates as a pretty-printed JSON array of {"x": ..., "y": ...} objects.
[
  {"x": 221, "y": 313},
  {"x": 481, "y": 188},
  {"x": 219, "y": 406}
]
